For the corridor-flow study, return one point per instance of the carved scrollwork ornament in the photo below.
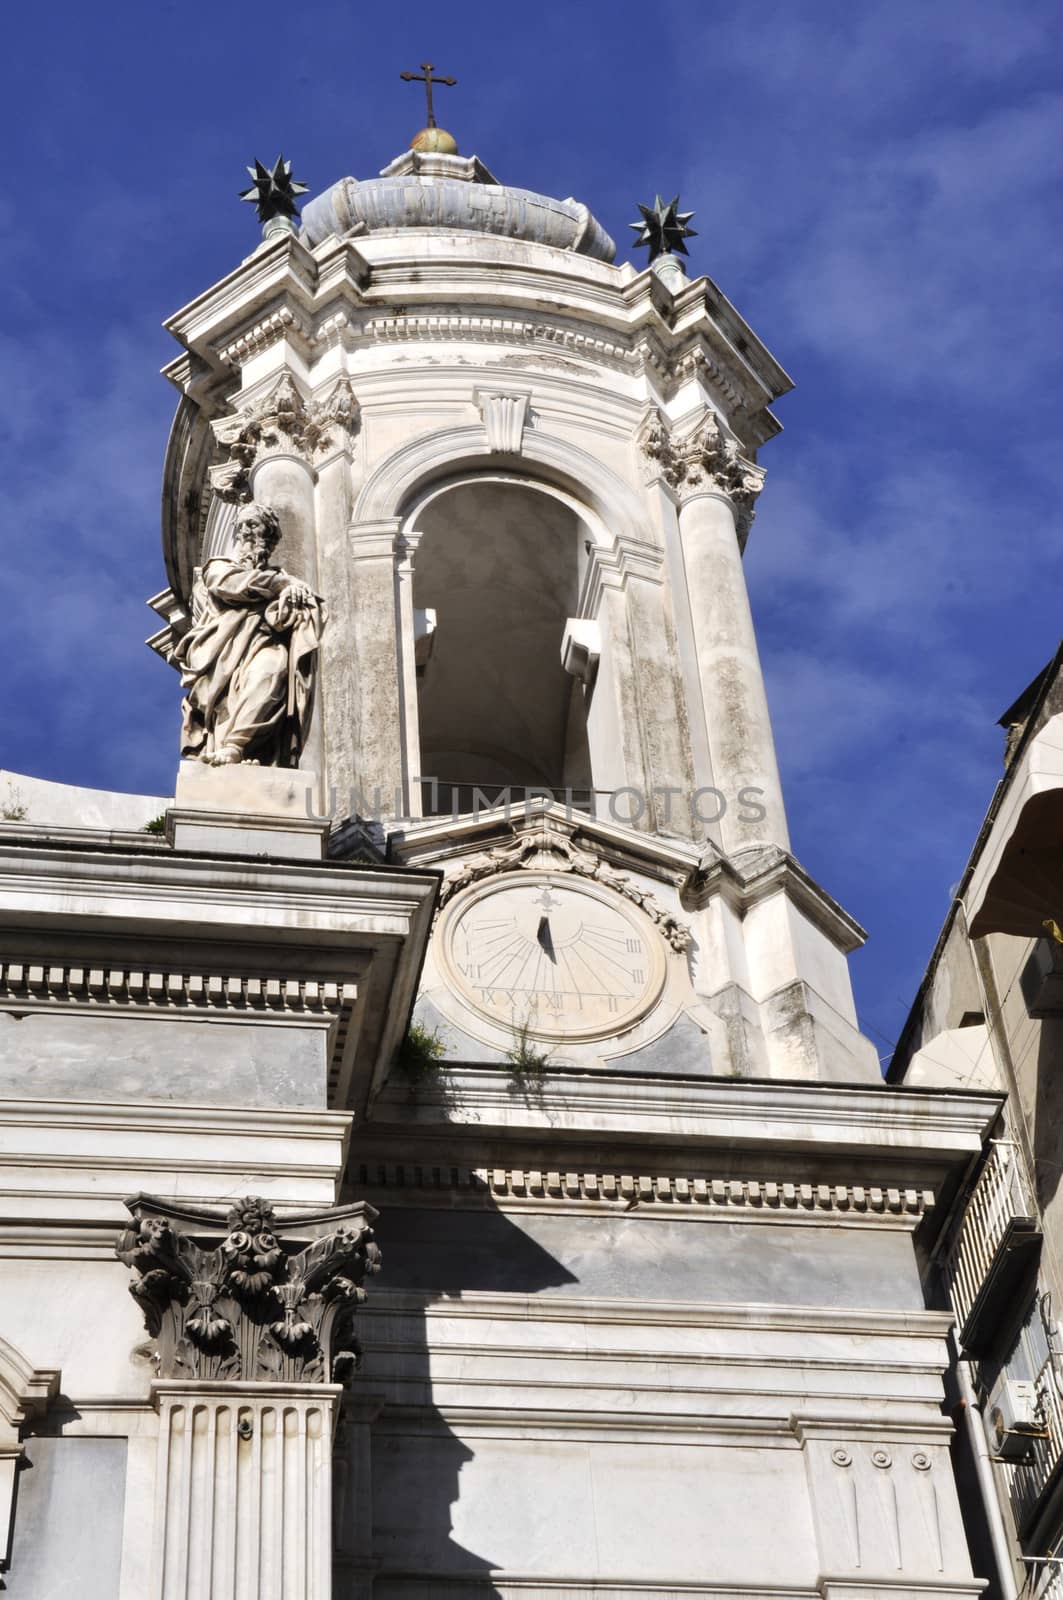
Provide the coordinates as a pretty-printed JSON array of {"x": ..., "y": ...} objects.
[
  {"x": 921, "y": 1461},
  {"x": 881, "y": 1458},
  {"x": 280, "y": 422},
  {"x": 547, "y": 847},
  {"x": 841, "y": 1457},
  {"x": 254, "y": 1304}
]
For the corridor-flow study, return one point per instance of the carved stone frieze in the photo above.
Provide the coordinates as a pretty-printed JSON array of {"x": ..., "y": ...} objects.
[
  {"x": 693, "y": 458},
  {"x": 547, "y": 847},
  {"x": 280, "y": 422},
  {"x": 240, "y": 1297}
]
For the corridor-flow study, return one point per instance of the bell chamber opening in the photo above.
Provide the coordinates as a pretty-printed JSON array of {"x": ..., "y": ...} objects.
[{"x": 498, "y": 573}]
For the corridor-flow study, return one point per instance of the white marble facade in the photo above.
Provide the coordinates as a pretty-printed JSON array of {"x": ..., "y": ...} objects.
[{"x": 650, "y": 1320}]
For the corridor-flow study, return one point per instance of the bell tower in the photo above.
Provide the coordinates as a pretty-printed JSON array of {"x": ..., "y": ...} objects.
[
  {"x": 471, "y": 958},
  {"x": 520, "y": 478}
]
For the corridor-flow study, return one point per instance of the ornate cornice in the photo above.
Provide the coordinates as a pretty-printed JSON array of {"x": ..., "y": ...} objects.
[
  {"x": 283, "y": 323},
  {"x": 245, "y": 1295},
  {"x": 110, "y": 986},
  {"x": 751, "y": 875},
  {"x": 701, "y": 456},
  {"x": 278, "y": 423},
  {"x": 546, "y": 845},
  {"x": 674, "y": 1193}
]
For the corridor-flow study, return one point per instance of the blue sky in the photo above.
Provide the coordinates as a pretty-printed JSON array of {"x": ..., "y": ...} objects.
[{"x": 877, "y": 189}]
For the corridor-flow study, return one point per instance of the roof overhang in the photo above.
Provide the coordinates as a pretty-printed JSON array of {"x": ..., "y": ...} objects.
[{"x": 1017, "y": 884}]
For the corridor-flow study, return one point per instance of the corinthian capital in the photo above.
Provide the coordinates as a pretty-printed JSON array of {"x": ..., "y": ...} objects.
[
  {"x": 247, "y": 1296},
  {"x": 281, "y": 422},
  {"x": 699, "y": 456}
]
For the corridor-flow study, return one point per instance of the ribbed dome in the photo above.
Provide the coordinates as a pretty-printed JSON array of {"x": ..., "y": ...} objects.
[{"x": 456, "y": 194}]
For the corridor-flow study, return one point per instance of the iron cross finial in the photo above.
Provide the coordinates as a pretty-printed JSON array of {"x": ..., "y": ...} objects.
[{"x": 425, "y": 77}]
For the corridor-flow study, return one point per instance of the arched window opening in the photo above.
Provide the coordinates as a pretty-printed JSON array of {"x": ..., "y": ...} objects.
[{"x": 497, "y": 576}]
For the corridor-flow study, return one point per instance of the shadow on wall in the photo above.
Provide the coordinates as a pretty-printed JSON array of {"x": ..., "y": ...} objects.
[
  {"x": 399, "y": 1463},
  {"x": 1048, "y": 1113}
]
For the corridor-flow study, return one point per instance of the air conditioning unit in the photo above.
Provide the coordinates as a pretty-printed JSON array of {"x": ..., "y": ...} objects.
[{"x": 1014, "y": 1419}]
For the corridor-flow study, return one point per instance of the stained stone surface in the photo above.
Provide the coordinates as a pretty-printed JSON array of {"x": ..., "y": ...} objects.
[
  {"x": 456, "y": 193},
  {"x": 68, "y": 1528},
  {"x": 117, "y": 1058},
  {"x": 244, "y": 789}
]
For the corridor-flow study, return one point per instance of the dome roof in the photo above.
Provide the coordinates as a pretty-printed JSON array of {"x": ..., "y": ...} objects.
[{"x": 456, "y": 194}]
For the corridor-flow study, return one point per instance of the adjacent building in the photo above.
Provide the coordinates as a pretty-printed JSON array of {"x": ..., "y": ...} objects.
[{"x": 988, "y": 1017}]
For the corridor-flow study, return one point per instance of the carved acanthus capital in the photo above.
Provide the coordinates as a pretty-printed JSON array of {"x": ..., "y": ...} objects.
[
  {"x": 246, "y": 1295},
  {"x": 699, "y": 456},
  {"x": 279, "y": 423}
]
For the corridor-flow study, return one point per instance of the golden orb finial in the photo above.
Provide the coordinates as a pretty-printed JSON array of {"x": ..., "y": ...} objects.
[{"x": 435, "y": 140}]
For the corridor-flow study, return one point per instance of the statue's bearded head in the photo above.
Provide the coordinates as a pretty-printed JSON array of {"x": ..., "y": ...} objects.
[{"x": 257, "y": 534}]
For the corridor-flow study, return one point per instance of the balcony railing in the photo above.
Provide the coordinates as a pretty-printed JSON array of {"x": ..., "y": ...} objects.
[
  {"x": 1028, "y": 1480},
  {"x": 1045, "y": 1579},
  {"x": 998, "y": 1237},
  {"x": 441, "y": 798}
]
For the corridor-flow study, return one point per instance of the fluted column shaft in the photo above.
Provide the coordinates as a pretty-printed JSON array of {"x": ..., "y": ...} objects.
[{"x": 243, "y": 1494}]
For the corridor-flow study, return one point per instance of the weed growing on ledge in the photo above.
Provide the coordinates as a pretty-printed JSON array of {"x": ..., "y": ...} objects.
[
  {"x": 421, "y": 1052},
  {"x": 12, "y": 809},
  {"x": 524, "y": 1055},
  {"x": 156, "y": 825}
]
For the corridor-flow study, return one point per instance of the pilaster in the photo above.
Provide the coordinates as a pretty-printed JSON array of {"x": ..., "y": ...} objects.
[
  {"x": 251, "y": 1321},
  {"x": 243, "y": 1498}
]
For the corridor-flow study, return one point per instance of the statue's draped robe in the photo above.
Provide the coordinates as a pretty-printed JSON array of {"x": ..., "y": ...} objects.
[{"x": 248, "y": 662}]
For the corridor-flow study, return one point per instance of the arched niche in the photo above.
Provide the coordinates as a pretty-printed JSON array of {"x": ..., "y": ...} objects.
[{"x": 500, "y": 564}]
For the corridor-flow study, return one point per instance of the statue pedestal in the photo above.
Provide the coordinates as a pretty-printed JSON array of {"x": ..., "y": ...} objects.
[{"x": 247, "y": 811}]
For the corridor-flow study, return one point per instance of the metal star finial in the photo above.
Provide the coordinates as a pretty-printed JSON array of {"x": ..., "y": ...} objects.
[
  {"x": 273, "y": 190},
  {"x": 663, "y": 228}
]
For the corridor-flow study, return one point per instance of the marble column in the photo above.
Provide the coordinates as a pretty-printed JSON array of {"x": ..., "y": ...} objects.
[
  {"x": 243, "y": 1482},
  {"x": 339, "y": 702},
  {"x": 379, "y": 696},
  {"x": 741, "y": 745},
  {"x": 666, "y": 742}
]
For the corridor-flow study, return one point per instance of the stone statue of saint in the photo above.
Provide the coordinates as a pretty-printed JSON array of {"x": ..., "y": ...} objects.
[{"x": 249, "y": 659}]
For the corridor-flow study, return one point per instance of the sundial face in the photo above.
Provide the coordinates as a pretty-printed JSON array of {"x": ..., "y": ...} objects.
[{"x": 563, "y": 958}]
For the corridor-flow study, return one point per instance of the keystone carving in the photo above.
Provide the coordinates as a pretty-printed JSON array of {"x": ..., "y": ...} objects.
[
  {"x": 247, "y": 1296},
  {"x": 504, "y": 413},
  {"x": 691, "y": 458},
  {"x": 281, "y": 421},
  {"x": 547, "y": 847}
]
